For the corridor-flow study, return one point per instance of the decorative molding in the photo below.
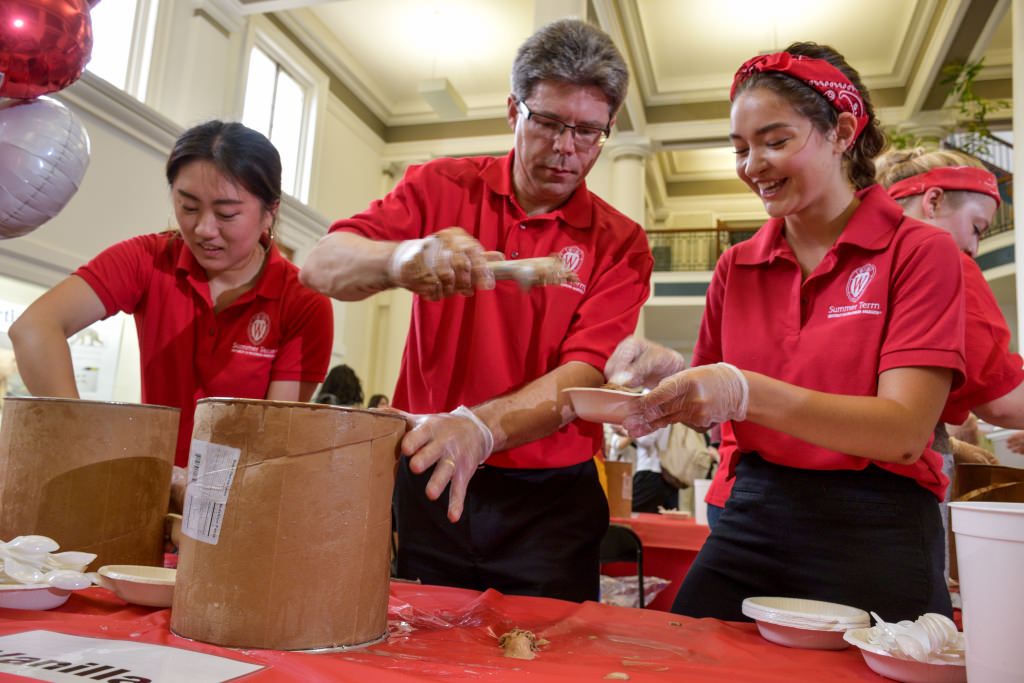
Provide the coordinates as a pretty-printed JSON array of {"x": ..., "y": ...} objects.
[
  {"x": 32, "y": 261},
  {"x": 628, "y": 145},
  {"x": 114, "y": 106},
  {"x": 326, "y": 48},
  {"x": 609, "y": 20},
  {"x": 300, "y": 226},
  {"x": 227, "y": 15}
]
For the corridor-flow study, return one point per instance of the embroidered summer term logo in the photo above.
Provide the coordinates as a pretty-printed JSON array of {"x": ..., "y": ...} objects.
[
  {"x": 859, "y": 281},
  {"x": 856, "y": 286},
  {"x": 259, "y": 326},
  {"x": 572, "y": 258}
]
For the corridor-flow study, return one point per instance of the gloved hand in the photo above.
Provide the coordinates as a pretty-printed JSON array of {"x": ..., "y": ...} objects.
[
  {"x": 455, "y": 443},
  {"x": 439, "y": 265},
  {"x": 698, "y": 397},
  {"x": 966, "y": 453},
  {"x": 638, "y": 362}
]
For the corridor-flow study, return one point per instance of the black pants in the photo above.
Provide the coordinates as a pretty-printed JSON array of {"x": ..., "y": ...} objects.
[
  {"x": 522, "y": 532},
  {"x": 870, "y": 539},
  {"x": 650, "y": 490}
]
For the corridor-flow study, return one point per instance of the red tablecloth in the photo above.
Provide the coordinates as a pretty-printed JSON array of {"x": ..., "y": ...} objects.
[
  {"x": 670, "y": 546},
  {"x": 446, "y": 633}
]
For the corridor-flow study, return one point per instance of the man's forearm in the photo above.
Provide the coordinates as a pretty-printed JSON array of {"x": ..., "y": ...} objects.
[
  {"x": 347, "y": 267},
  {"x": 537, "y": 409}
]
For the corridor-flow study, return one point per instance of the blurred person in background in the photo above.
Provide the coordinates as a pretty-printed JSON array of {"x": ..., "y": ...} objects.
[
  {"x": 341, "y": 388},
  {"x": 378, "y": 401}
]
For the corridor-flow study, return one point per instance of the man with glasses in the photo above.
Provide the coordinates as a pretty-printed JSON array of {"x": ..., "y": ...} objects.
[{"x": 500, "y": 490}]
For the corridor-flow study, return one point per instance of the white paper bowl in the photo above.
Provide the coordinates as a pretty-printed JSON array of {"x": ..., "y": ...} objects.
[
  {"x": 139, "y": 585},
  {"x": 595, "y": 404},
  {"x": 32, "y": 596},
  {"x": 811, "y": 624},
  {"x": 811, "y": 639},
  {"x": 904, "y": 670}
]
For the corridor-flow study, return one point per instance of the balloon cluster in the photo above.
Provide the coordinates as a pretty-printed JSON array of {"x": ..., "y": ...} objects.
[{"x": 44, "y": 150}]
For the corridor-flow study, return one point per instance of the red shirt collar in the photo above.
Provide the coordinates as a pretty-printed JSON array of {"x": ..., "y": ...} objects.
[
  {"x": 269, "y": 286},
  {"x": 871, "y": 227},
  {"x": 577, "y": 211}
]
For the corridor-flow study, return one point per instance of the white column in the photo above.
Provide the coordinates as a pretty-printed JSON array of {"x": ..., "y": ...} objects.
[
  {"x": 629, "y": 159},
  {"x": 1017, "y": 17},
  {"x": 629, "y": 154},
  {"x": 930, "y": 127}
]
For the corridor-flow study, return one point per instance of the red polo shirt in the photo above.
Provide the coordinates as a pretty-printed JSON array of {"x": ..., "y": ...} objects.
[
  {"x": 466, "y": 350},
  {"x": 881, "y": 298},
  {"x": 277, "y": 331},
  {"x": 992, "y": 371}
]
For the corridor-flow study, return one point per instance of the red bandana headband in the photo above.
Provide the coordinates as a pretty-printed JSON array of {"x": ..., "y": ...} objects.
[
  {"x": 829, "y": 81},
  {"x": 962, "y": 178}
]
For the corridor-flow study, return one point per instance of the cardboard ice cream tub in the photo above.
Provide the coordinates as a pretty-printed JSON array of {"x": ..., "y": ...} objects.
[
  {"x": 92, "y": 475},
  {"x": 286, "y": 531}
]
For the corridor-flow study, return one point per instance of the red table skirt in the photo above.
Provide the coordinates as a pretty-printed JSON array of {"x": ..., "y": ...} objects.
[
  {"x": 670, "y": 546},
  {"x": 449, "y": 634}
]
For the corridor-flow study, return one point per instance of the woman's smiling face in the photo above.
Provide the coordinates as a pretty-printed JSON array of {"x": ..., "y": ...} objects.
[{"x": 781, "y": 156}]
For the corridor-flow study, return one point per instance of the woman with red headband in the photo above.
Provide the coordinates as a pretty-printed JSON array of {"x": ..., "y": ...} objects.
[
  {"x": 830, "y": 341},
  {"x": 953, "y": 191}
]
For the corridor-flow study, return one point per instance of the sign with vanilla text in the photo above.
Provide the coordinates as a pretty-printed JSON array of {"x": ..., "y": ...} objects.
[{"x": 57, "y": 657}]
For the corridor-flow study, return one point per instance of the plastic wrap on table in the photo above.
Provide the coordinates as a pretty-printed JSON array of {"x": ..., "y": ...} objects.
[{"x": 623, "y": 591}]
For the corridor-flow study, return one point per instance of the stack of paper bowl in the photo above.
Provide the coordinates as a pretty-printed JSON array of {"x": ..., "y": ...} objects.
[{"x": 796, "y": 622}]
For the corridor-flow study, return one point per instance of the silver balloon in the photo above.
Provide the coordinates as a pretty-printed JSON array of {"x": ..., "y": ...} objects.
[{"x": 44, "y": 152}]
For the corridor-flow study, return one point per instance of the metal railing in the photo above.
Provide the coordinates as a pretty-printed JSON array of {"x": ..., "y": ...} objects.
[
  {"x": 690, "y": 250},
  {"x": 997, "y": 155}
]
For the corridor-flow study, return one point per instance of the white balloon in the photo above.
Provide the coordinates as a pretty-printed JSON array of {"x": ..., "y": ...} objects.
[{"x": 44, "y": 152}]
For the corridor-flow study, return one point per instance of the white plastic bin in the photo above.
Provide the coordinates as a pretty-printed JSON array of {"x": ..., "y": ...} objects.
[{"x": 990, "y": 560}]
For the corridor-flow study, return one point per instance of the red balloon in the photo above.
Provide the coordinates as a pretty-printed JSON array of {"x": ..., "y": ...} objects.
[{"x": 44, "y": 45}]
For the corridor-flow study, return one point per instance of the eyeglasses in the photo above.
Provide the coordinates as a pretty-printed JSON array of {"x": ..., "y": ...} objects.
[{"x": 549, "y": 126}]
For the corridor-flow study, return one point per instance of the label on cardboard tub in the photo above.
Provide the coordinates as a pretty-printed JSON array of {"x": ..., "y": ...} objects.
[{"x": 211, "y": 469}]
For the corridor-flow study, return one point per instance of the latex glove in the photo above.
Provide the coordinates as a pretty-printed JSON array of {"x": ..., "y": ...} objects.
[
  {"x": 455, "y": 444},
  {"x": 442, "y": 264},
  {"x": 638, "y": 362},
  {"x": 698, "y": 397}
]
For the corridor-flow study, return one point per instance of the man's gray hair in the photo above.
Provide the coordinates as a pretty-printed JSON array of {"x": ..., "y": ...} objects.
[{"x": 575, "y": 52}]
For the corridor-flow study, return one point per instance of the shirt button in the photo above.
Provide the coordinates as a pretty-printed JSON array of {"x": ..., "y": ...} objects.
[
  {"x": 515, "y": 254},
  {"x": 522, "y": 226}
]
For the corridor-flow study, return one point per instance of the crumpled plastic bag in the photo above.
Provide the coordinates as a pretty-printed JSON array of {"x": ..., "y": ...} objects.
[{"x": 623, "y": 591}]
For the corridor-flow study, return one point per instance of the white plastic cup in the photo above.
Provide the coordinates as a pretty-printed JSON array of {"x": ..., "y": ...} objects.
[
  {"x": 990, "y": 559},
  {"x": 700, "y": 508}
]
